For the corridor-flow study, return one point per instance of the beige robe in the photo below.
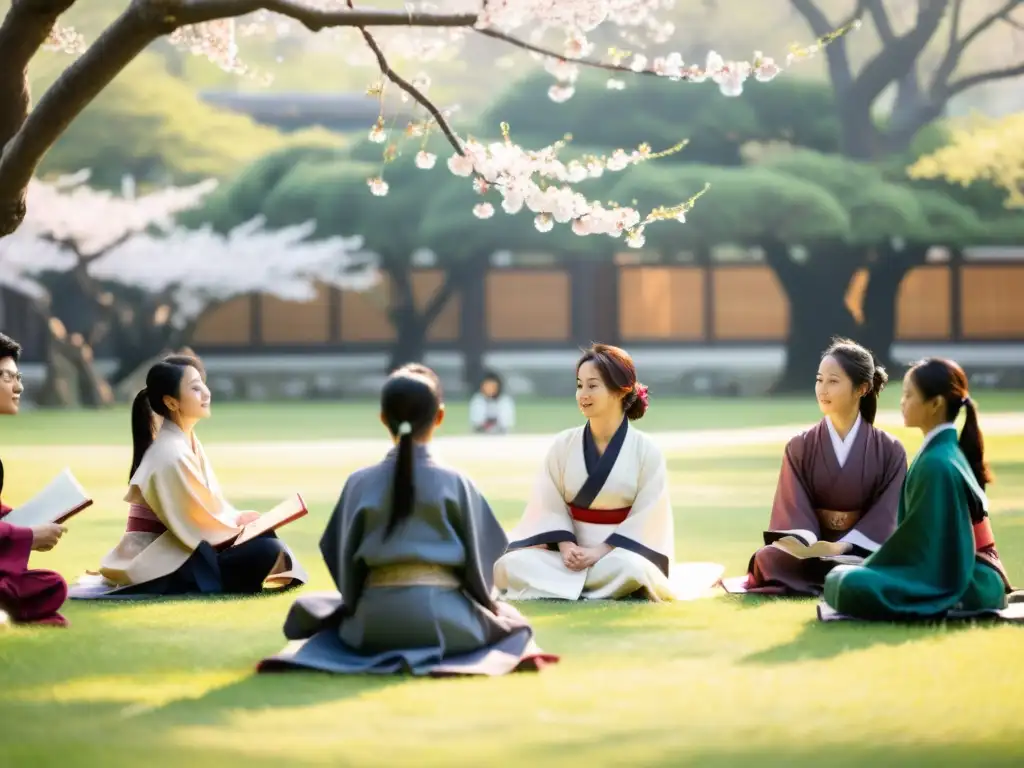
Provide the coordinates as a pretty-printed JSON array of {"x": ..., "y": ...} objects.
[
  {"x": 644, "y": 543},
  {"x": 176, "y": 482}
]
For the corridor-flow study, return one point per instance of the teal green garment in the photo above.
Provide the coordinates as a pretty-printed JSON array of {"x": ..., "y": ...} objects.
[{"x": 927, "y": 566}]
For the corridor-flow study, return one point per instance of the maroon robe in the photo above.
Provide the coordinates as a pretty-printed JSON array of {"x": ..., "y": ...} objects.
[
  {"x": 27, "y": 596},
  {"x": 816, "y": 499}
]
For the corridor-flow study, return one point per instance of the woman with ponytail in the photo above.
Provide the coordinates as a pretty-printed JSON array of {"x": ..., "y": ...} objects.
[
  {"x": 942, "y": 556},
  {"x": 180, "y": 527},
  {"x": 599, "y": 523},
  {"x": 411, "y": 546},
  {"x": 839, "y": 484}
]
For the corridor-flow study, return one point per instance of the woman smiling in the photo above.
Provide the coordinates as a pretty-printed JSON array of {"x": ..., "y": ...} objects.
[{"x": 599, "y": 521}]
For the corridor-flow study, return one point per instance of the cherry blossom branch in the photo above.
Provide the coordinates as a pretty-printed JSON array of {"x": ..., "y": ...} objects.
[
  {"x": 504, "y": 37},
  {"x": 410, "y": 89},
  {"x": 31, "y": 134},
  {"x": 314, "y": 19}
]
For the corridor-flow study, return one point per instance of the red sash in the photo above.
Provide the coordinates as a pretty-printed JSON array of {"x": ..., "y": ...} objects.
[
  {"x": 141, "y": 519},
  {"x": 983, "y": 536},
  {"x": 599, "y": 516}
]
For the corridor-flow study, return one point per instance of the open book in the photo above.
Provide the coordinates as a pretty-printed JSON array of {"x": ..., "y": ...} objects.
[
  {"x": 61, "y": 499},
  {"x": 287, "y": 511},
  {"x": 830, "y": 549}
]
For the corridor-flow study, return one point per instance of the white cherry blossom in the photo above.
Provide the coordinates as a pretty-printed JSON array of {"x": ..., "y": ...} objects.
[{"x": 198, "y": 269}]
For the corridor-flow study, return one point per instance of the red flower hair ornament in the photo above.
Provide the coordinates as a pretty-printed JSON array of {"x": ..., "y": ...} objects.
[{"x": 641, "y": 393}]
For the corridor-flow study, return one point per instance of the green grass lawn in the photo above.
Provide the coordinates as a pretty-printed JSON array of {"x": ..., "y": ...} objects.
[{"x": 721, "y": 681}]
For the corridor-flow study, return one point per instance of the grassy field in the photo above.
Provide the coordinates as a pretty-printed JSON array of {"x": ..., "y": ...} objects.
[{"x": 718, "y": 681}]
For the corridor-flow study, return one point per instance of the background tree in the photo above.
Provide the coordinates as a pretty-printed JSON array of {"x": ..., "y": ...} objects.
[
  {"x": 981, "y": 149},
  {"x": 184, "y": 274},
  {"x": 83, "y": 224},
  {"x": 155, "y": 128},
  {"x": 209, "y": 26}
]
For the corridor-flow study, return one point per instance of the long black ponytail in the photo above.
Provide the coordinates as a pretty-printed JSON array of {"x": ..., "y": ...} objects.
[
  {"x": 162, "y": 380},
  {"x": 941, "y": 377},
  {"x": 409, "y": 403}
]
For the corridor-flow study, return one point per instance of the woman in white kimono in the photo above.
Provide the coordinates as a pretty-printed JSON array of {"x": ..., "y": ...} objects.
[
  {"x": 411, "y": 547},
  {"x": 599, "y": 521},
  {"x": 180, "y": 527},
  {"x": 492, "y": 410}
]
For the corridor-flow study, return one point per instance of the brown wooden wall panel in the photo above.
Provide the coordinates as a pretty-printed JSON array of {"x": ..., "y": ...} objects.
[
  {"x": 297, "y": 322},
  {"x": 364, "y": 315},
  {"x": 529, "y": 305},
  {"x": 661, "y": 303},
  {"x": 749, "y": 304},
  {"x": 992, "y": 305},
  {"x": 230, "y": 324},
  {"x": 425, "y": 284},
  {"x": 923, "y": 308}
]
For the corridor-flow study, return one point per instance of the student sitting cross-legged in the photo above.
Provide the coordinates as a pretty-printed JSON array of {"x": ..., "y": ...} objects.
[{"x": 27, "y": 596}]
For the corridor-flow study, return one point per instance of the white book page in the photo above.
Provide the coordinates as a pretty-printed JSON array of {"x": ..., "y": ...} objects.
[{"x": 63, "y": 496}]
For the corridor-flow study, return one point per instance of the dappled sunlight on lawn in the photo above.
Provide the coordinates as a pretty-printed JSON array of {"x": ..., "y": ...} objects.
[{"x": 726, "y": 680}]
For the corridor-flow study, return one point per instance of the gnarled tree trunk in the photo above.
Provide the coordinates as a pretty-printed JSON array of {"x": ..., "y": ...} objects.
[
  {"x": 816, "y": 290},
  {"x": 886, "y": 274}
]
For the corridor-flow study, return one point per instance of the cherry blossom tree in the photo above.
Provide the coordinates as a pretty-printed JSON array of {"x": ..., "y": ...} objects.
[
  {"x": 69, "y": 225},
  {"x": 532, "y": 179},
  {"x": 189, "y": 272}
]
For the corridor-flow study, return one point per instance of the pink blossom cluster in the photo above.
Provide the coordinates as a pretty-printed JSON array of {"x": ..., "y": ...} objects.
[{"x": 540, "y": 182}]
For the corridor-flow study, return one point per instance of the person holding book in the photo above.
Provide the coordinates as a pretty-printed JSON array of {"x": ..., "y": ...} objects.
[
  {"x": 28, "y": 596},
  {"x": 942, "y": 556},
  {"x": 492, "y": 410},
  {"x": 839, "y": 484},
  {"x": 182, "y": 534},
  {"x": 411, "y": 546},
  {"x": 598, "y": 523}
]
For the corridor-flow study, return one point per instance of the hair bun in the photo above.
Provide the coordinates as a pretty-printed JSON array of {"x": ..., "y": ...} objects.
[{"x": 880, "y": 379}]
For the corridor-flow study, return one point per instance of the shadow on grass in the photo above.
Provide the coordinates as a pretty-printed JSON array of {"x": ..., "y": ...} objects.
[
  {"x": 825, "y": 640},
  {"x": 278, "y": 690},
  {"x": 650, "y": 747}
]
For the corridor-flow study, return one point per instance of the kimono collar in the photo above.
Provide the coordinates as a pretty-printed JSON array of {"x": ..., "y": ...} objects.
[
  {"x": 934, "y": 431},
  {"x": 175, "y": 432},
  {"x": 850, "y": 436}
]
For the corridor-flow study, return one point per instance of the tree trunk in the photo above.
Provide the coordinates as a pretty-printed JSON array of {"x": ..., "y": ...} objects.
[
  {"x": 816, "y": 290},
  {"x": 71, "y": 376},
  {"x": 473, "y": 332},
  {"x": 410, "y": 324},
  {"x": 886, "y": 275}
]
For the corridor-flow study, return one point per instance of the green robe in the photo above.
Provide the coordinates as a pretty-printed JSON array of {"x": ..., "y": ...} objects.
[{"x": 928, "y": 565}]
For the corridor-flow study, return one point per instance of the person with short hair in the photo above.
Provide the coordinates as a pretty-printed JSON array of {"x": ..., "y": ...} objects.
[
  {"x": 491, "y": 409},
  {"x": 27, "y": 596}
]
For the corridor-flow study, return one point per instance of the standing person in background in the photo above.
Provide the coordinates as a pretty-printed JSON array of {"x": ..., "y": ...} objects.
[
  {"x": 26, "y": 596},
  {"x": 491, "y": 409}
]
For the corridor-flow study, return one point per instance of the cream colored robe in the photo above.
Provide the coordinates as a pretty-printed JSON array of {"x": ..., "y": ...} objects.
[
  {"x": 644, "y": 543},
  {"x": 176, "y": 481}
]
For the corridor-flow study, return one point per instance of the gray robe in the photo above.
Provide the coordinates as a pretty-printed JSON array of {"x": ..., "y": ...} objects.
[
  {"x": 421, "y": 601},
  {"x": 814, "y": 500}
]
